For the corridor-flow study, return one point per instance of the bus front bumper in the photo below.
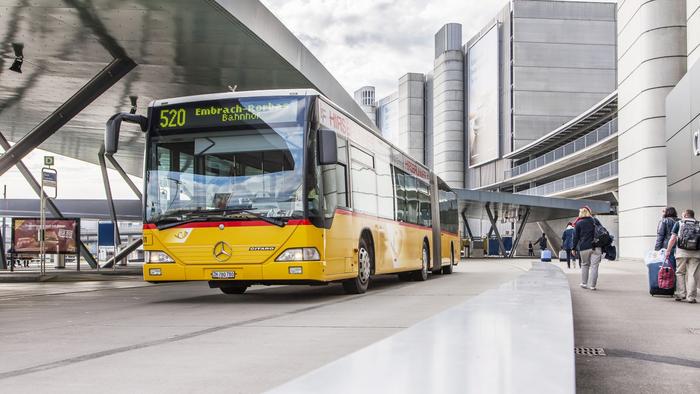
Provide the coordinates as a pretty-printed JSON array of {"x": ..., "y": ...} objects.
[{"x": 259, "y": 273}]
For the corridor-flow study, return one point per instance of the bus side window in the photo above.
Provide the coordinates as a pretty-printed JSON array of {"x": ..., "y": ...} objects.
[
  {"x": 411, "y": 199},
  {"x": 399, "y": 185},
  {"x": 425, "y": 215}
]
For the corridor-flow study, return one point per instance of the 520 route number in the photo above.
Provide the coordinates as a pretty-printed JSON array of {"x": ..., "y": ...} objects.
[{"x": 172, "y": 118}]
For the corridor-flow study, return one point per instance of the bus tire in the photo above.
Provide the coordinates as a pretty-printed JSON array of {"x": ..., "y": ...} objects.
[
  {"x": 448, "y": 268},
  {"x": 422, "y": 274},
  {"x": 359, "y": 284},
  {"x": 233, "y": 288}
]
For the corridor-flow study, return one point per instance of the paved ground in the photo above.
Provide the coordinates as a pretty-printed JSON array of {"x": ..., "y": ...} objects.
[
  {"x": 649, "y": 341},
  {"x": 136, "y": 337}
]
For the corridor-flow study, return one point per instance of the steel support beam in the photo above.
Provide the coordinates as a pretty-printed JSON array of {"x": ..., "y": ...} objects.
[
  {"x": 124, "y": 252},
  {"x": 466, "y": 225},
  {"x": 124, "y": 176},
  {"x": 523, "y": 222},
  {"x": 495, "y": 229},
  {"x": 110, "y": 200},
  {"x": 107, "y": 77},
  {"x": 495, "y": 219},
  {"x": 49, "y": 203}
]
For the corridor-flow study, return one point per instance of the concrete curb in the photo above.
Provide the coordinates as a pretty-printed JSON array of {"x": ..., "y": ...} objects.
[
  {"x": 29, "y": 277},
  {"x": 517, "y": 338}
]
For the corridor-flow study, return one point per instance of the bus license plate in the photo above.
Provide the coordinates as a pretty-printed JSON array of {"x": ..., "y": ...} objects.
[{"x": 223, "y": 274}]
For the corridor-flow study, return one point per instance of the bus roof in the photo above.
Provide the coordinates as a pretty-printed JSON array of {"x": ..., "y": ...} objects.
[{"x": 233, "y": 95}]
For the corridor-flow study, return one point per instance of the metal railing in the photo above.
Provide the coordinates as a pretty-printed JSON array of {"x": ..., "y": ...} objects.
[
  {"x": 572, "y": 147},
  {"x": 605, "y": 171}
]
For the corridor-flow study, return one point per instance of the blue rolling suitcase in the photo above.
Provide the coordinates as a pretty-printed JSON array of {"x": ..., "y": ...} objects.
[{"x": 546, "y": 256}]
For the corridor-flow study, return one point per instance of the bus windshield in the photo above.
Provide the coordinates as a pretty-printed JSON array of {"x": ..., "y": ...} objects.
[{"x": 255, "y": 169}]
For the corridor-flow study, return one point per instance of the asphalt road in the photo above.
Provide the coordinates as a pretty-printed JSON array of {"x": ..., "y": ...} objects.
[{"x": 133, "y": 337}]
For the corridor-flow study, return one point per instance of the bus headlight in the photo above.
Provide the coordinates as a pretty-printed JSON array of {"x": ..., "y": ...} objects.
[
  {"x": 299, "y": 254},
  {"x": 156, "y": 256}
]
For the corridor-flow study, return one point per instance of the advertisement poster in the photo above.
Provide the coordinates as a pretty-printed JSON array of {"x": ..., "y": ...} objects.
[
  {"x": 483, "y": 100},
  {"x": 61, "y": 235}
]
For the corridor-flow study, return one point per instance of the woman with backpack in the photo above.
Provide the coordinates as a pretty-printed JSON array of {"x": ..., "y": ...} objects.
[
  {"x": 590, "y": 254},
  {"x": 669, "y": 217}
]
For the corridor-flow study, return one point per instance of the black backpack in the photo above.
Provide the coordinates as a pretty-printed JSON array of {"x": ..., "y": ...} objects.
[
  {"x": 689, "y": 235},
  {"x": 601, "y": 236}
]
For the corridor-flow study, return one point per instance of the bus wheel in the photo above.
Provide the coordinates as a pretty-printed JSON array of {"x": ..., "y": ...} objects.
[
  {"x": 448, "y": 268},
  {"x": 233, "y": 288},
  {"x": 422, "y": 274},
  {"x": 359, "y": 284}
]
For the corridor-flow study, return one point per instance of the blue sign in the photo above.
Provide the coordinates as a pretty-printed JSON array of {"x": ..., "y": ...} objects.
[{"x": 105, "y": 234}]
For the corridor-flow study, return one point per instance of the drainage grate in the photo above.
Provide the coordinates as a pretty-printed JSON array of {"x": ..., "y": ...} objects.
[
  {"x": 694, "y": 331},
  {"x": 590, "y": 351}
]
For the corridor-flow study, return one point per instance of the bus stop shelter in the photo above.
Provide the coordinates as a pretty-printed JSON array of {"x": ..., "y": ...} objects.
[{"x": 519, "y": 208}]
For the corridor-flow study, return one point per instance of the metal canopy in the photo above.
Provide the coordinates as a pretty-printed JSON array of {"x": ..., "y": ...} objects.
[
  {"x": 128, "y": 210},
  {"x": 569, "y": 131},
  {"x": 506, "y": 205},
  {"x": 181, "y": 47}
]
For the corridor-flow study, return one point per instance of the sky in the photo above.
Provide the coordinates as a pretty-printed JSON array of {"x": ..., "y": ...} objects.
[
  {"x": 375, "y": 42},
  {"x": 361, "y": 42}
]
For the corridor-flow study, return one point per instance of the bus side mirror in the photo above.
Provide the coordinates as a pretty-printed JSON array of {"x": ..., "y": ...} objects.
[
  {"x": 113, "y": 126},
  {"x": 327, "y": 147}
]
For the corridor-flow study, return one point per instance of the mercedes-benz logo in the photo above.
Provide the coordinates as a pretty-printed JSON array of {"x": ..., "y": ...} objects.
[{"x": 222, "y": 251}]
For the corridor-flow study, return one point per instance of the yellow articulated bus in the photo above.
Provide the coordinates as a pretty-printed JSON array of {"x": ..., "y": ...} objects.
[{"x": 284, "y": 187}]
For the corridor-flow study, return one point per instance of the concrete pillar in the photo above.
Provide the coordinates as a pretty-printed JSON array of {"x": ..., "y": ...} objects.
[
  {"x": 651, "y": 60},
  {"x": 693, "y": 23},
  {"x": 448, "y": 106},
  {"x": 411, "y": 115}
]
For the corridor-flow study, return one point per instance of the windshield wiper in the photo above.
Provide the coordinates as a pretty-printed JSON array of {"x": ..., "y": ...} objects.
[
  {"x": 221, "y": 214},
  {"x": 164, "y": 226},
  {"x": 276, "y": 222}
]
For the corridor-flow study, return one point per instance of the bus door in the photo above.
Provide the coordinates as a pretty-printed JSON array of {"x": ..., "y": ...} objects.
[{"x": 435, "y": 210}]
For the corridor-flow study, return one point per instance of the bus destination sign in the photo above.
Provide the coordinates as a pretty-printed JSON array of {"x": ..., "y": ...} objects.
[{"x": 226, "y": 113}]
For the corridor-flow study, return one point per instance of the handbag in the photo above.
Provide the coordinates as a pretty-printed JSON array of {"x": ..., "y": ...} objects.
[{"x": 667, "y": 276}]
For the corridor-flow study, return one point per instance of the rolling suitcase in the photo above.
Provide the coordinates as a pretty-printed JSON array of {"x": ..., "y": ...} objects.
[
  {"x": 546, "y": 256},
  {"x": 562, "y": 255},
  {"x": 654, "y": 260}
]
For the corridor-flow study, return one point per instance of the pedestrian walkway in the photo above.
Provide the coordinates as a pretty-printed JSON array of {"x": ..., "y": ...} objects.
[{"x": 652, "y": 344}]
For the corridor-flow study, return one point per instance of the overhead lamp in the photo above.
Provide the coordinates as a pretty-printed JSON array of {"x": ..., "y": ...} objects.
[{"x": 19, "y": 57}]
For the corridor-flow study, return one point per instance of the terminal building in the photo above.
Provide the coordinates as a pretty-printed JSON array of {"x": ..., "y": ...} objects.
[
  {"x": 527, "y": 105},
  {"x": 564, "y": 99}
]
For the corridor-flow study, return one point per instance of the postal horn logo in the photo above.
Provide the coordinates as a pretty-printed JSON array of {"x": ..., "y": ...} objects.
[{"x": 222, "y": 251}]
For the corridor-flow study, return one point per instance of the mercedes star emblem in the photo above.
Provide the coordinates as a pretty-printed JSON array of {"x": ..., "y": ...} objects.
[{"x": 222, "y": 251}]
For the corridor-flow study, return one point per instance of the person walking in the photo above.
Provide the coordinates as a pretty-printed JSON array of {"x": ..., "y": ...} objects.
[
  {"x": 567, "y": 243},
  {"x": 530, "y": 249},
  {"x": 669, "y": 217},
  {"x": 688, "y": 261},
  {"x": 542, "y": 241},
  {"x": 590, "y": 255}
]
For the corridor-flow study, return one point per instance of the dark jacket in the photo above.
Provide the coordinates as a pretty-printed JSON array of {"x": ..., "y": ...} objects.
[
  {"x": 543, "y": 242},
  {"x": 663, "y": 232},
  {"x": 584, "y": 233},
  {"x": 568, "y": 239}
]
